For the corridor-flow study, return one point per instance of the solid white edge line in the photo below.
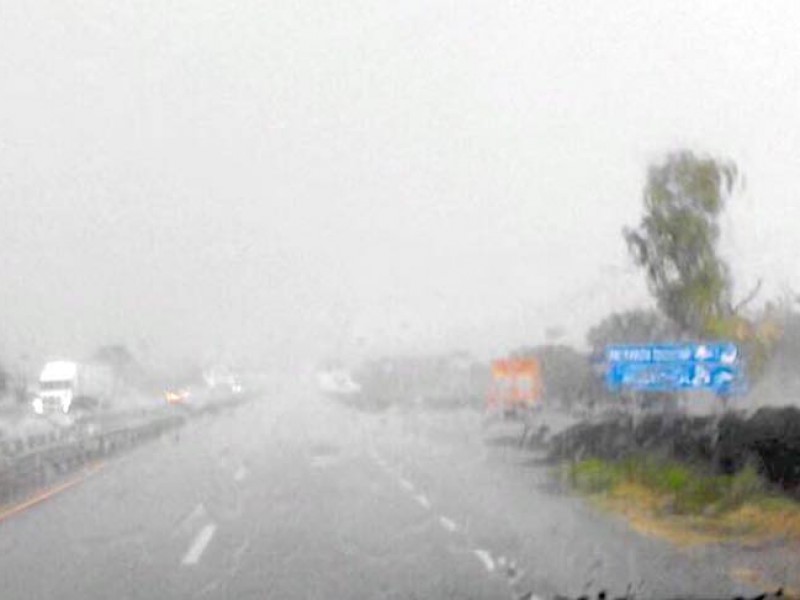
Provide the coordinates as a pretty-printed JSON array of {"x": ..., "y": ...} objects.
[{"x": 199, "y": 545}]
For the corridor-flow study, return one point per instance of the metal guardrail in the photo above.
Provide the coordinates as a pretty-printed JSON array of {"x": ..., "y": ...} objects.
[{"x": 41, "y": 459}]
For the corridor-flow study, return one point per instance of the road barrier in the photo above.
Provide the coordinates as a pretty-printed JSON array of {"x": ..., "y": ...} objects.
[{"x": 39, "y": 460}]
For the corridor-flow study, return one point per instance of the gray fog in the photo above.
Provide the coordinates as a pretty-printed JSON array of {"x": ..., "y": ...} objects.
[{"x": 270, "y": 180}]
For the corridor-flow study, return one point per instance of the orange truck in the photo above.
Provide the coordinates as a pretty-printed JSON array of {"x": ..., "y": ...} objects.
[{"x": 516, "y": 387}]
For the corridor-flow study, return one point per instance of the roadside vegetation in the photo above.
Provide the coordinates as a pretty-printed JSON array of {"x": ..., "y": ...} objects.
[
  {"x": 731, "y": 468},
  {"x": 684, "y": 476},
  {"x": 687, "y": 504}
]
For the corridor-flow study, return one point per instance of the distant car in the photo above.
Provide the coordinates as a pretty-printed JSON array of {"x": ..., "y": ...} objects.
[{"x": 180, "y": 396}]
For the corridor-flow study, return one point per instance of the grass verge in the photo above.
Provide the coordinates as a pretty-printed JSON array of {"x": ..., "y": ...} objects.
[{"x": 687, "y": 505}]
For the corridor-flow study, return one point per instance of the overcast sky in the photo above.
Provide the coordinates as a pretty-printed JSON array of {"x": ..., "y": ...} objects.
[{"x": 284, "y": 177}]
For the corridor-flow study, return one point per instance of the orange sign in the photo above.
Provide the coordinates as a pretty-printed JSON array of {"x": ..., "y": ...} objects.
[{"x": 516, "y": 383}]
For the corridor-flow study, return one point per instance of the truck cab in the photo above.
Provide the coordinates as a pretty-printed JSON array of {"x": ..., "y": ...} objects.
[
  {"x": 66, "y": 386},
  {"x": 56, "y": 387}
]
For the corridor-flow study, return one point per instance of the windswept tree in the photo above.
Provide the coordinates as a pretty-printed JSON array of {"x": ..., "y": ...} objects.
[
  {"x": 676, "y": 241},
  {"x": 676, "y": 245}
]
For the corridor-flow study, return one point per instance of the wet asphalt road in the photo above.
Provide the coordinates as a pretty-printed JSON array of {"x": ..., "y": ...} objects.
[{"x": 294, "y": 496}]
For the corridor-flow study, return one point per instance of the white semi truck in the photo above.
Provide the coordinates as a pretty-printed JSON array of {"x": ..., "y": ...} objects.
[{"x": 66, "y": 385}]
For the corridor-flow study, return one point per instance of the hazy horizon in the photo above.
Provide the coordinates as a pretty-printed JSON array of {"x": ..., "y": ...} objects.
[{"x": 268, "y": 181}]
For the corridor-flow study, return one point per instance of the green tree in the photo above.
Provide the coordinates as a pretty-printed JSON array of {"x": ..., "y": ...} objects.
[
  {"x": 676, "y": 244},
  {"x": 676, "y": 241}
]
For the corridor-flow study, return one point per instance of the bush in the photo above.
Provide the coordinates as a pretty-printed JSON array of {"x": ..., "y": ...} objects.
[
  {"x": 686, "y": 490},
  {"x": 743, "y": 486},
  {"x": 768, "y": 443},
  {"x": 594, "y": 476}
]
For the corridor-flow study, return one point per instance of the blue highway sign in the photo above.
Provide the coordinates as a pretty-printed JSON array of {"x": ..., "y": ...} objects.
[
  {"x": 673, "y": 367},
  {"x": 659, "y": 353}
]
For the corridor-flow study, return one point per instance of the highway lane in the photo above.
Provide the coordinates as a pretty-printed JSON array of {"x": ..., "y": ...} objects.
[
  {"x": 511, "y": 505},
  {"x": 279, "y": 499},
  {"x": 297, "y": 497}
]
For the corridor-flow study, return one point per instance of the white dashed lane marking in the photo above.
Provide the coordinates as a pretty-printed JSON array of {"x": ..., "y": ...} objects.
[
  {"x": 240, "y": 473},
  {"x": 422, "y": 500},
  {"x": 485, "y": 558},
  {"x": 406, "y": 484},
  {"x": 199, "y": 545},
  {"x": 448, "y": 524},
  {"x": 187, "y": 523},
  {"x": 506, "y": 566}
]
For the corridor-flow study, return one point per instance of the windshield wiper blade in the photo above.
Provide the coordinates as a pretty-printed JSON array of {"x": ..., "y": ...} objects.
[{"x": 603, "y": 595}]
